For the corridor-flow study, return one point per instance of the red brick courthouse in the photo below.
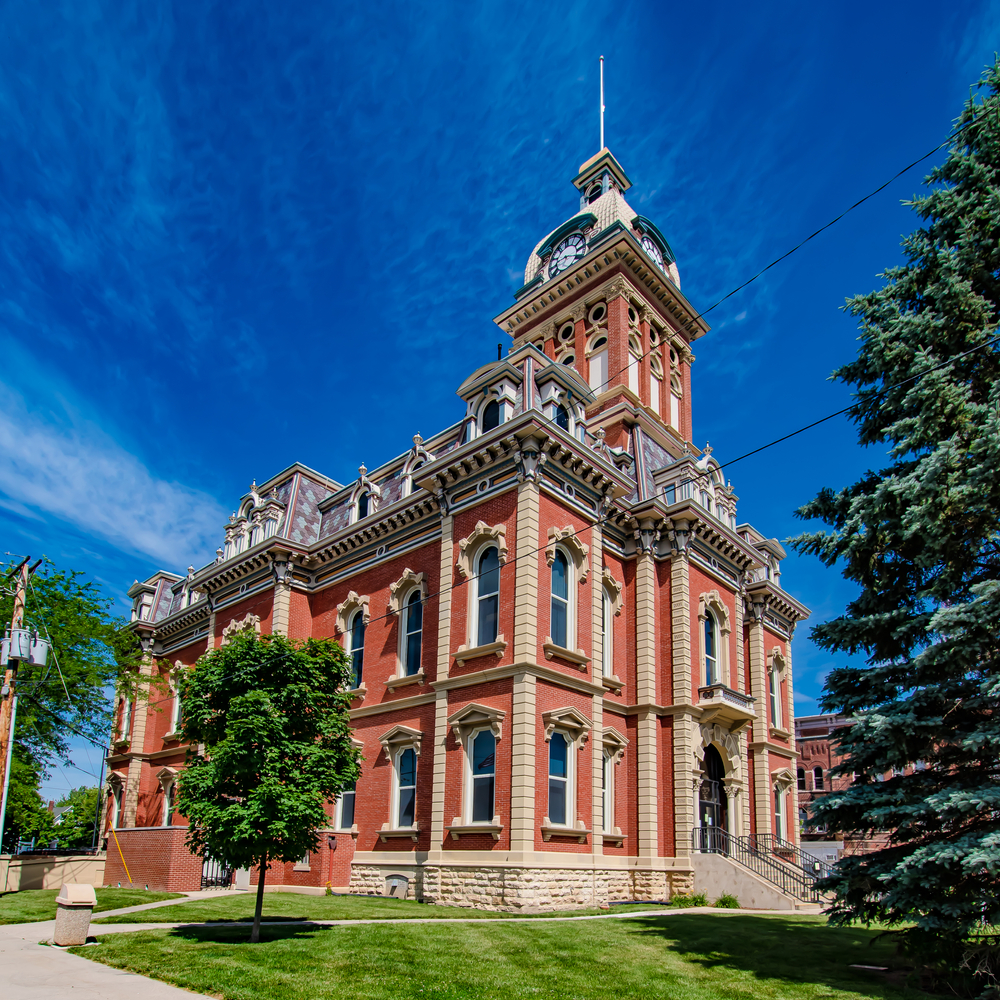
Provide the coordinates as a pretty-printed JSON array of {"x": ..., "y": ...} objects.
[{"x": 572, "y": 660}]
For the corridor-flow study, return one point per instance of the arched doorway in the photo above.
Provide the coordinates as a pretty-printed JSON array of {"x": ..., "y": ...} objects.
[{"x": 713, "y": 804}]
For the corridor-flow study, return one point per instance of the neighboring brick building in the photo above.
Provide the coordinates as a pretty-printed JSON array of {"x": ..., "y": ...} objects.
[{"x": 570, "y": 654}]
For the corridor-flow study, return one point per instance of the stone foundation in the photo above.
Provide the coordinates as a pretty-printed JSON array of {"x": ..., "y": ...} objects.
[{"x": 524, "y": 890}]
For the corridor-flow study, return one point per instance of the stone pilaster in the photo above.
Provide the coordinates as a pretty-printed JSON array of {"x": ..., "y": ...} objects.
[
  {"x": 794, "y": 832},
  {"x": 596, "y": 673},
  {"x": 444, "y": 596},
  {"x": 522, "y": 752},
  {"x": 685, "y": 728},
  {"x": 439, "y": 745},
  {"x": 763, "y": 806},
  {"x": 646, "y": 733},
  {"x": 438, "y": 758},
  {"x": 281, "y": 608},
  {"x": 130, "y": 805},
  {"x": 526, "y": 574}
]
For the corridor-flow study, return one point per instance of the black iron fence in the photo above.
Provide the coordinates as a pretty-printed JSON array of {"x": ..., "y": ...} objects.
[
  {"x": 768, "y": 843},
  {"x": 215, "y": 875}
]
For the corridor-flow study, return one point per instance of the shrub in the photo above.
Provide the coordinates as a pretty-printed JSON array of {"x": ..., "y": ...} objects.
[
  {"x": 727, "y": 901},
  {"x": 689, "y": 899}
]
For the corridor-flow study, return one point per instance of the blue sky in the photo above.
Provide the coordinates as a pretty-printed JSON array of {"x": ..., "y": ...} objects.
[{"x": 236, "y": 235}]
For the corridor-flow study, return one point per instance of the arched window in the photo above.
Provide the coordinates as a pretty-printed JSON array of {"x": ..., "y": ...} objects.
[
  {"x": 802, "y": 779},
  {"x": 356, "y": 648},
  {"x": 558, "y": 779},
  {"x": 362, "y": 504},
  {"x": 562, "y": 417},
  {"x": 117, "y": 796},
  {"x": 491, "y": 415},
  {"x": 594, "y": 192},
  {"x": 488, "y": 597},
  {"x": 345, "y": 807},
  {"x": 176, "y": 706},
  {"x": 675, "y": 402},
  {"x": 482, "y": 756},
  {"x": 774, "y": 691},
  {"x": 607, "y": 636},
  {"x": 818, "y": 778},
  {"x": 406, "y": 787},
  {"x": 559, "y": 625},
  {"x": 168, "y": 803},
  {"x": 413, "y": 626},
  {"x": 634, "y": 357},
  {"x": 711, "y": 649},
  {"x": 598, "y": 369},
  {"x": 127, "y": 708}
]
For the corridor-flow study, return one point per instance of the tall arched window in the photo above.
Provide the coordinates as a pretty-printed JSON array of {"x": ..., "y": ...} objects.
[
  {"x": 560, "y": 600},
  {"x": 802, "y": 779},
  {"x": 345, "y": 807},
  {"x": 779, "y": 813},
  {"x": 607, "y": 630},
  {"x": 482, "y": 756},
  {"x": 558, "y": 778},
  {"x": 168, "y": 803},
  {"x": 117, "y": 795},
  {"x": 562, "y": 417},
  {"x": 488, "y": 597},
  {"x": 634, "y": 357},
  {"x": 413, "y": 630},
  {"x": 818, "y": 778},
  {"x": 675, "y": 402},
  {"x": 598, "y": 364},
  {"x": 356, "y": 647},
  {"x": 608, "y": 792},
  {"x": 406, "y": 787},
  {"x": 711, "y": 649},
  {"x": 491, "y": 415},
  {"x": 362, "y": 505}
]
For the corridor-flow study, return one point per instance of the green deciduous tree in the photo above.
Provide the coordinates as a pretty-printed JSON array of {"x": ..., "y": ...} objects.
[
  {"x": 921, "y": 539},
  {"x": 75, "y": 827},
  {"x": 92, "y": 652},
  {"x": 271, "y": 719}
]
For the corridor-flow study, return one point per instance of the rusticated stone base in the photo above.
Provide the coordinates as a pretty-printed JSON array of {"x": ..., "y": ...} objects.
[{"x": 523, "y": 890}]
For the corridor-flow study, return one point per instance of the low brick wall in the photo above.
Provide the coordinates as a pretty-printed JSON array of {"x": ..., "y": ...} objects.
[
  {"x": 523, "y": 889},
  {"x": 39, "y": 871},
  {"x": 156, "y": 856}
]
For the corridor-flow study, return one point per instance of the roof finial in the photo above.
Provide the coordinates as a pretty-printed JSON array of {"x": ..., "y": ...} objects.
[{"x": 602, "y": 102}]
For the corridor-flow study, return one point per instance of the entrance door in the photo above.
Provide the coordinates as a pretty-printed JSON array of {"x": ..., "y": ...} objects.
[{"x": 713, "y": 804}]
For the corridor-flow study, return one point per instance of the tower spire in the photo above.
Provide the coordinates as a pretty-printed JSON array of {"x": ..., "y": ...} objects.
[{"x": 602, "y": 102}]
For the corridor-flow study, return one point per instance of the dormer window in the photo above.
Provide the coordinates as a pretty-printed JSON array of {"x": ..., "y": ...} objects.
[
  {"x": 492, "y": 415},
  {"x": 363, "y": 499},
  {"x": 562, "y": 417}
]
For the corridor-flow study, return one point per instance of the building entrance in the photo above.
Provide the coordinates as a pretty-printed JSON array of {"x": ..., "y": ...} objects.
[{"x": 713, "y": 804}]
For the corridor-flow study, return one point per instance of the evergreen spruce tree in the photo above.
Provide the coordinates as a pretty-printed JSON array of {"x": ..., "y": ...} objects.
[{"x": 921, "y": 538}]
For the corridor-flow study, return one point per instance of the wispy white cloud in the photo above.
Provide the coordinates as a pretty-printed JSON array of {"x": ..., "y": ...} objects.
[{"x": 54, "y": 464}]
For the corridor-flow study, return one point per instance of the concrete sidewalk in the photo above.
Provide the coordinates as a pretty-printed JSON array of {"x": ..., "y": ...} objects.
[{"x": 32, "y": 971}]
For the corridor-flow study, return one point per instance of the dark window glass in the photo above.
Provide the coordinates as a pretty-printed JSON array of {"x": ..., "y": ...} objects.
[
  {"x": 489, "y": 596},
  {"x": 363, "y": 505},
  {"x": 358, "y": 647},
  {"x": 818, "y": 778},
  {"x": 560, "y": 599},
  {"x": 711, "y": 663},
  {"x": 414, "y": 632},
  {"x": 562, "y": 417},
  {"x": 491, "y": 416},
  {"x": 347, "y": 797},
  {"x": 407, "y": 787},
  {"x": 802, "y": 779},
  {"x": 483, "y": 775},
  {"x": 558, "y": 768}
]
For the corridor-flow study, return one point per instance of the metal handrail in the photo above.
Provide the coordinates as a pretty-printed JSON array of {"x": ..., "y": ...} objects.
[
  {"x": 792, "y": 882},
  {"x": 789, "y": 853}
]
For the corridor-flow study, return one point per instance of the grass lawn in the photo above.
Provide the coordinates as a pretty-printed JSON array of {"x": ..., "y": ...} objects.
[
  {"x": 294, "y": 906},
  {"x": 40, "y": 904},
  {"x": 682, "y": 957}
]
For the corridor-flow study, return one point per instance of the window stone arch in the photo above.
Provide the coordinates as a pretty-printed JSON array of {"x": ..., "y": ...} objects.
[
  {"x": 567, "y": 539},
  {"x": 399, "y": 590},
  {"x": 712, "y": 601},
  {"x": 346, "y": 609},
  {"x": 480, "y": 535},
  {"x": 248, "y": 623}
]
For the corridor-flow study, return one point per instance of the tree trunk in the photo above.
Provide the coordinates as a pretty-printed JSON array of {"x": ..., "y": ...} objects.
[{"x": 255, "y": 933}]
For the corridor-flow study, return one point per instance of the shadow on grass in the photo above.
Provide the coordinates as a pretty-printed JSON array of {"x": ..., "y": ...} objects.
[
  {"x": 238, "y": 932},
  {"x": 792, "y": 949}
]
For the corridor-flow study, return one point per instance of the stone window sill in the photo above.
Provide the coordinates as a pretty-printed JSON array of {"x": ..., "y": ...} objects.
[
  {"x": 782, "y": 734},
  {"x": 397, "y": 682},
  {"x": 615, "y": 837},
  {"x": 614, "y": 683},
  {"x": 460, "y": 829},
  {"x": 413, "y": 832},
  {"x": 172, "y": 736},
  {"x": 351, "y": 832},
  {"x": 358, "y": 693},
  {"x": 301, "y": 868},
  {"x": 464, "y": 653},
  {"x": 575, "y": 656},
  {"x": 550, "y": 830}
]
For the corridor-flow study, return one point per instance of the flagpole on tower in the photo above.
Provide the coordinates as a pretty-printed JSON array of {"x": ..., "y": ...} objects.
[{"x": 602, "y": 102}]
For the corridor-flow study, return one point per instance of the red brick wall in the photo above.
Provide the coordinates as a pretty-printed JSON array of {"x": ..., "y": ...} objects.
[
  {"x": 261, "y": 604},
  {"x": 155, "y": 856}
]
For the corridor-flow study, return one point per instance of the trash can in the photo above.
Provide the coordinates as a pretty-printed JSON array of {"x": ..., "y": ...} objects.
[{"x": 74, "y": 906}]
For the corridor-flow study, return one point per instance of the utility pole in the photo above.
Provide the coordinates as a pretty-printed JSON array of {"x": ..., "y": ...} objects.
[{"x": 17, "y": 646}]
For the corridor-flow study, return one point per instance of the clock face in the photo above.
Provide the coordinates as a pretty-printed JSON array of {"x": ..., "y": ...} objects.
[
  {"x": 568, "y": 252},
  {"x": 653, "y": 251}
]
